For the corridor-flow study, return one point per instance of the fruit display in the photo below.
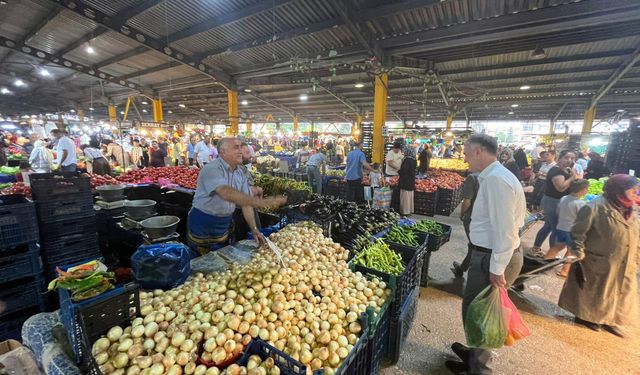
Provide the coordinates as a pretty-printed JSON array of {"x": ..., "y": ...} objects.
[
  {"x": 183, "y": 176},
  {"x": 379, "y": 256},
  {"x": 272, "y": 186},
  {"x": 449, "y": 164},
  {"x": 98, "y": 180},
  {"x": 17, "y": 188},
  {"x": 306, "y": 304},
  {"x": 335, "y": 173},
  {"x": 596, "y": 187},
  {"x": 434, "y": 180},
  {"x": 426, "y": 185}
]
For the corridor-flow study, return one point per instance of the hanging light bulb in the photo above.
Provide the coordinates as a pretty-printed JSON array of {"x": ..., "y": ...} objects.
[
  {"x": 304, "y": 97},
  {"x": 18, "y": 82},
  {"x": 90, "y": 50},
  {"x": 44, "y": 72}
]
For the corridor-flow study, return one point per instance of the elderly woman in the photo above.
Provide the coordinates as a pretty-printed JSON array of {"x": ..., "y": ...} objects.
[
  {"x": 604, "y": 295},
  {"x": 407, "y": 181},
  {"x": 507, "y": 160}
]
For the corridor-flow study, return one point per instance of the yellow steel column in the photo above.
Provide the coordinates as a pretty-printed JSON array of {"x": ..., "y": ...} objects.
[
  {"x": 81, "y": 115},
  {"x": 249, "y": 127},
  {"x": 379, "y": 113},
  {"x": 589, "y": 116},
  {"x": 358, "y": 128},
  {"x": 296, "y": 126},
  {"x": 449, "y": 122},
  {"x": 158, "y": 116},
  {"x": 232, "y": 96},
  {"x": 112, "y": 113},
  {"x": 552, "y": 127},
  {"x": 126, "y": 109}
]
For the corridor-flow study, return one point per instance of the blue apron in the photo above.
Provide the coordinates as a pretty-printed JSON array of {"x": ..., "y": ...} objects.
[{"x": 207, "y": 232}]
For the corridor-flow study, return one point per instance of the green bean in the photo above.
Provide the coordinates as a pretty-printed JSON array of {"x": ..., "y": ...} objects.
[{"x": 381, "y": 257}]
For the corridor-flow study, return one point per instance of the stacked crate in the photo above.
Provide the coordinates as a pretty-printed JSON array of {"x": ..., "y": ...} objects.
[
  {"x": 21, "y": 281},
  {"x": 448, "y": 200},
  {"x": 425, "y": 203},
  {"x": 623, "y": 152},
  {"x": 366, "y": 138},
  {"x": 67, "y": 220}
]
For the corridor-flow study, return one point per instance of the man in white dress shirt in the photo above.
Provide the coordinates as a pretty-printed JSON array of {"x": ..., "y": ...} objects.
[{"x": 496, "y": 258}]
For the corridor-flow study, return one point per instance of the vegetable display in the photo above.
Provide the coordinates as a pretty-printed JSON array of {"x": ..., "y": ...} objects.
[
  {"x": 272, "y": 186},
  {"x": 449, "y": 164},
  {"x": 183, "y": 176},
  {"x": 379, "y": 256},
  {"x": 596, "y": 187},
  {"x": 429, "y": 226},
  {"x": 9, "y": 170},
  {"x": 436, "y": 179},
  {"x": 403, "y": 235},
  {"x": 335, "y": 172},
  {"x": 17, "y": 188},
  {"x": 84, "y": 281},
  {"x": 307, "y": 306}
]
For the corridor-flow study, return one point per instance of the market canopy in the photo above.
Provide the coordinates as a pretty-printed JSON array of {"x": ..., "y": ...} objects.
[{"x": 492, "y": 59}]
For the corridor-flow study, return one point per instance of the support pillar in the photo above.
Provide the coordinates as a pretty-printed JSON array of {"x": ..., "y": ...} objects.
[
  {"x": 295, "y": 124},
  {"x": 449, "y": 122},
  {"x": 552, "y": 127},
  {"x": 249, "y": 128},
  {"x": 379, "y": 113},
  {"x": 158, "y": 116},
  {"x": 112, "y": 113},
  {"x": 126, "y": 109},
  {"x": 81, "y": 115},
  {"x": 589, "y": 116},
  {"x": 358, "y": 128},
  {"x": 232, "y": 96}
]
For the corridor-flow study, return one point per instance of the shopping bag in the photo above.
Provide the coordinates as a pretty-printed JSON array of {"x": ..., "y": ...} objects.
[
  {"x": 484, "y": 325},
  {"x": 516, "y": 328},
  {"x": 162, "y": 266}
]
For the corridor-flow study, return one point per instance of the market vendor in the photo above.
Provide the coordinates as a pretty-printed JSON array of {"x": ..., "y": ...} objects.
[{"x": 222, "y": 185}]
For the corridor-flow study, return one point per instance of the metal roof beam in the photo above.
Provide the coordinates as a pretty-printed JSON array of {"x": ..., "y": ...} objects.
[
  {"x": 226, "y": 18},
  {"x": 82, "y": 40},
  {"x": 137, "y": 9},
  {"x": 629, "y": 63},
  {"x": 153, "y": 69},
  {"x": 545, "y": 20},
  {"x": 341, "y": 98},
  {"x": 557, "y": 115},
  {"x": 158, "y": 44},
  {"x": 345, "y": 9},
  {"x": 120, "y": 57},
  {"x": 65, "y": 63},
  {"x": 273, "y": 103},
  {"x": 34, "y": 31}
]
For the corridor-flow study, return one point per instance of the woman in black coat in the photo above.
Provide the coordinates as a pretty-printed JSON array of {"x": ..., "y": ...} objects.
[{"x": 407, "y": 181}]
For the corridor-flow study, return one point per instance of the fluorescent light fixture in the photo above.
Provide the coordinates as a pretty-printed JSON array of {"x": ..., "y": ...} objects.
[
  {"x": 169, "y": 111},
  {"x": 514, "y": 105},
  {"x": 72, "y": 110},
  {"x": 90, "y": 50},
  {"x": 144, "y": 111},
  {"x": 201, "y": 109},
  {"x": 144, "y": 102},
  {"x": 182, "y": 105},
  {"x": 525, "y": 87},
  {"x": 511, "y": 112},
  {"x": 5, "y": 91},
  {"x": 44, "y": 72},
  {"x": 244, "y": 102},
  {"x": 247, "y": 90},
  {"x": 359, "y": 85},
  {"x": 304, "y": 97},
  {"x": 122, "y": 112},
  {"x": 538, "y": 53},
  {"x": 620, "y": 110},
  {"x": 91, "y": 108},
  {"x": 18, "y": 83}
]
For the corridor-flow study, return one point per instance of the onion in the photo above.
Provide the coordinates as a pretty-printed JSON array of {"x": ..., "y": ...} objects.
[
  {"x": 101, "y": 345},
  {"x": 121, "y": 360},
  {"x": 114, "y": 333}
]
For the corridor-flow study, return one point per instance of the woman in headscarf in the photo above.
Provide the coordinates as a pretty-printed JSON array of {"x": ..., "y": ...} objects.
[
  {"x": 99, "y": 163},
  {"x": 602, "y": 287},
  {"x": 41, "y": 159},
  {"x": 507, "y": 160},
  {"x": 407, "y": 181}
]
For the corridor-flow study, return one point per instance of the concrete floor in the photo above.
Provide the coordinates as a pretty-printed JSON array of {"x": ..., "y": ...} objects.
[{"x": 556, "y": 346}]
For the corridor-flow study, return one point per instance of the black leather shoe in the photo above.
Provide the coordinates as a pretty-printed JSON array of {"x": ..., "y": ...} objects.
[
  {"x": 457, "y": 368},
  {"x": 614, "y": 331},
  {"x": 462, "y": 351},
  {"x": 592, "y": 326},
  {"x": 457, "y": 270}
]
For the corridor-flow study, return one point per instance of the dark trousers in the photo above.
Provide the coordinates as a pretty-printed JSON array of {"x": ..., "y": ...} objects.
[
  {"x": 355, "y": 193},
  {"x": 477, "y": 280},
  {"x": 467, "y": 259},
  {"x": 69, "y": 168}
]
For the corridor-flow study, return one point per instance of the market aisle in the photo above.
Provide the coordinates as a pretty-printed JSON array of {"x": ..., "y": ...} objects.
[{"x": 556, "y": 346}]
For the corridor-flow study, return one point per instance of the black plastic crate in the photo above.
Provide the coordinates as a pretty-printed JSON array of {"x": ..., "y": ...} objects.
[
  {"x": 178, "y": 197},
  {"x": 11, "y": 325},
  {"x": 83, "y": 225},
  {"x": 424, "y": 275},
  {"x": 72, "y": 244},
  {"x": 18, "y": 221},
  {"x": 87, "y": 320},
  {"x": 25, "y": 263},
  {"x": 378, "y": 336},
  {"x": 21, "y": 294},
  {"x": 70, "y": 208},
  {"x": 144, "y": 191},
  {"x": 50, "y": 264},
  {"x": 425, "y": 203},
  {"x": 52, "y": 187},
  {"x": 284, "y": 362},
  {"x": 406, "y": 282},
  {"x": 434, "y": 242},
  {"x": 400, "y": 326}
]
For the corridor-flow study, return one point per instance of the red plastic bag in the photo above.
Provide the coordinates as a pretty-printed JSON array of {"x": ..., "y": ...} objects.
[{"x": 516, "y": 329}]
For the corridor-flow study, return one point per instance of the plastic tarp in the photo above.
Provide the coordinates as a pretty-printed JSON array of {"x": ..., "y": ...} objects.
[{"x": 162, "y": 266}]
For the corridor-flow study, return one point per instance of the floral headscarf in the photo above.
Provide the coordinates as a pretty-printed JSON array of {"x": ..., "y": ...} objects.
[{"x": 614, "y": 193}]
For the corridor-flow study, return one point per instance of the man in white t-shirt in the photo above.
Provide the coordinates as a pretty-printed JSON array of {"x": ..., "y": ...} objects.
[
  {"x": 66, "y": 150},
  {"x": 394, "y": 160}
]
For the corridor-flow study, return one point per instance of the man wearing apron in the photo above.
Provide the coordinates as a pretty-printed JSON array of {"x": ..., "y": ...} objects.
[{"x": 222, "y": 185}]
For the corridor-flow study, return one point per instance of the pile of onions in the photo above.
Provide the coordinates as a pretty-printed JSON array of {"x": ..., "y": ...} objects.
[{"x": 308, "y": 308}]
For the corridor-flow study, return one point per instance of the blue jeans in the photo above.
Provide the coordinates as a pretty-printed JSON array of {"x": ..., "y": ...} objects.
[
  {"x": 69, "y": 168},
  {"x": 549, "y": 207},
  {"x": 315, "y": 179}
]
